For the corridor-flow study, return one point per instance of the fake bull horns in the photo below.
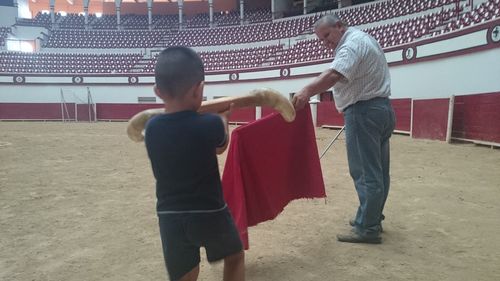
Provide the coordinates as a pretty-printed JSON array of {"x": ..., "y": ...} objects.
[{"x": 257, "y": 97}]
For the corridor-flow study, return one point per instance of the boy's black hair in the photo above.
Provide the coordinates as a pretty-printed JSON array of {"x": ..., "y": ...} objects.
[{"x": 178, "y": 69}]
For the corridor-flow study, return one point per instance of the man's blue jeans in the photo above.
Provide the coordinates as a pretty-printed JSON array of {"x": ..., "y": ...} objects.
[{"x": 369, "y": 125}]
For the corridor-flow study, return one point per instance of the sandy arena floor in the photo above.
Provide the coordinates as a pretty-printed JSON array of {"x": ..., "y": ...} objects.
[{"x": 77, "y": 203}]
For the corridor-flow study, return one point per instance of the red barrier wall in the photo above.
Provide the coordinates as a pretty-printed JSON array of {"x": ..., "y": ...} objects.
[
  {"x": 402, "y": 110},
  {"x": 113, "y": 111},
  {"x": 35, "y": 111},
  {"x": 83, "y": 114},
  {"x": 246, "y": 114},
  {"x": 328, "y": 115},
  {"x": 477, "y": 117},
  {"x": 105, "y": 111},
  {"x": 430, "y": 119}
]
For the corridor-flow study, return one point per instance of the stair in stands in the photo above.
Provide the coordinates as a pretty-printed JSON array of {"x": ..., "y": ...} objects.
[
  {"x": 140, "y": 65},
  {"x": 164, "y": 41}
]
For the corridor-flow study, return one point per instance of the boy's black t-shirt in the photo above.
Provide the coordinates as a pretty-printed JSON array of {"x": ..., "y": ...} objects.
[{"x": 181, "y": 147}]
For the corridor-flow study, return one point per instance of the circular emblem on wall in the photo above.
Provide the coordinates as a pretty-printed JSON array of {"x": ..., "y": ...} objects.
[
  {"x": 133, "y": 80},
  {"x": 285, "y": 72},
  {"x": 18, "y": 79},
  {"x": 409, "y": 53},
  {"x": 77, "y": 79},
  {"x": 234, "y": 76},
  {"x": 494, "y": 34}
]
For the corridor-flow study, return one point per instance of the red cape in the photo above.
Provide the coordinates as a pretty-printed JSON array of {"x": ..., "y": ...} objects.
[{"x": 270, "y": 163}]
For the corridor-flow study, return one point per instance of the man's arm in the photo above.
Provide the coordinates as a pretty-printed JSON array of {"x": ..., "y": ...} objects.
[{"x": 320, "y": 84}]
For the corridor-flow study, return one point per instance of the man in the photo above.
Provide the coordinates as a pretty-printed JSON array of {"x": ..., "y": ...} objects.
[{"x": 359, "y": 75}]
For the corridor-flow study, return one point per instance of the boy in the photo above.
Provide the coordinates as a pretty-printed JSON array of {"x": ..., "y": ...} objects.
[{"x": 182, "y": 146}]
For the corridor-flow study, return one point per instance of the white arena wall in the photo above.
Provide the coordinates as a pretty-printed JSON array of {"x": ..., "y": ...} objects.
[
  {"x": 444, "y": 86},
  {"x": 469, "y": 73},
  {"x": 462, "y": 62}
]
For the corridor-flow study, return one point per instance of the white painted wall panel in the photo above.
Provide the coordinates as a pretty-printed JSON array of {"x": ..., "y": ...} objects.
[
  {"x": 260, "y": 74},
  {"x": 216, "y": 78},
  {"x": 6, "y": 79},
  {"x": 394, "y": 56},
  {"x": 474, "y": 39},
  {"x": 317, "y": 68},
  {"x": 105, "y": 79},
  {"x": 42, "y": 79},
  {"x": 147, "y": 79},
  {"x": 468, "y": 74}
]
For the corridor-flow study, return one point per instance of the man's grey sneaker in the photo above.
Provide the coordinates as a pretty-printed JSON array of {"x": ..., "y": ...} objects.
[
  {"x": 353, "y": 237},
  {"x": 352, "y": 223}
]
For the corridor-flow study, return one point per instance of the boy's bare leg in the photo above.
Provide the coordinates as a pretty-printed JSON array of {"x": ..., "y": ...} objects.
[
  {"x": 192, "y": 275},
  {"x": 234, "y": 267}
]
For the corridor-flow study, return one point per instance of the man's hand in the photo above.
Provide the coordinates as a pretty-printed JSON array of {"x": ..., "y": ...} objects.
[
  {"x": 300, "y": 99},
  {"x": 322, "y": 83}
]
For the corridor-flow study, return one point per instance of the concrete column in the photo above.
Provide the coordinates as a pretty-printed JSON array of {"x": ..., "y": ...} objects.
[
  {"x": 242, "y": 10},
  {"x": 305, "y": 7},
  {"x": 344, "y": 3},
  {"x": 118, "y": 4},
  {"x": 211, "y": 11},
  {"x": 272, "y": 9},
  {"x": 18, "y": 13},
  {"x": 150, "y": 14},
  {"x": 86, "y": 11},
  {"x": 181, "y": 6},
  {"x": 52, "y": 5}
]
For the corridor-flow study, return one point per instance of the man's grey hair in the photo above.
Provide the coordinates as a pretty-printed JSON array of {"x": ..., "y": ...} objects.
[{"x": 330, "y": 20}]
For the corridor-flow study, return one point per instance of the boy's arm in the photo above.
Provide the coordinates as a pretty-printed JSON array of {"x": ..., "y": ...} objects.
[{"x": 224, "y": 116}]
